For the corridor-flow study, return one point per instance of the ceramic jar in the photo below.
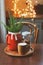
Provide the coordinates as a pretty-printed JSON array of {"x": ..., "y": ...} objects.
[{"x": 13, "y": 39}]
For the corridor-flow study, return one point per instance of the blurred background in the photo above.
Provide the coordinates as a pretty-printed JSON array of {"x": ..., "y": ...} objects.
[{"x": 36, "y": 6}]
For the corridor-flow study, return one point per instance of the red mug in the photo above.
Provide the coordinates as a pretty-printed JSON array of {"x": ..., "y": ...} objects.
[{"x": 13, "y": 40}]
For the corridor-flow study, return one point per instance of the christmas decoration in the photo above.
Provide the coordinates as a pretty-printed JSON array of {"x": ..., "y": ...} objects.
[{"x": 24, "y": 8}]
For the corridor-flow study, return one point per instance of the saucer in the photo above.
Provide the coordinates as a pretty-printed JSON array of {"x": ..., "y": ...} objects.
[{"x": 15, "y": 53}]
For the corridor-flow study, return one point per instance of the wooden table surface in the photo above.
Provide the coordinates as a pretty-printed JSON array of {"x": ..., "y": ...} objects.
[{"x": 35, "y": 59}]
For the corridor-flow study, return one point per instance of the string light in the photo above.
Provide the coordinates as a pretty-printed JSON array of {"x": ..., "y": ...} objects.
[
  {"x": 36, "y": 2},
  {"x": 26, "y": 12},
  {"x": 12, "y": 1}
]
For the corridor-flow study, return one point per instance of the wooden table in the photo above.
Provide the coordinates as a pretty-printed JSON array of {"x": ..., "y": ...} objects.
[{"x": 35, "y": 59}]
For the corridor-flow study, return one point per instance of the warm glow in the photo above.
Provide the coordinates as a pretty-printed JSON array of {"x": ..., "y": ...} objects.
[
  {"x": 23, "y": 8},
  {"x": 12, "y": 1}
]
